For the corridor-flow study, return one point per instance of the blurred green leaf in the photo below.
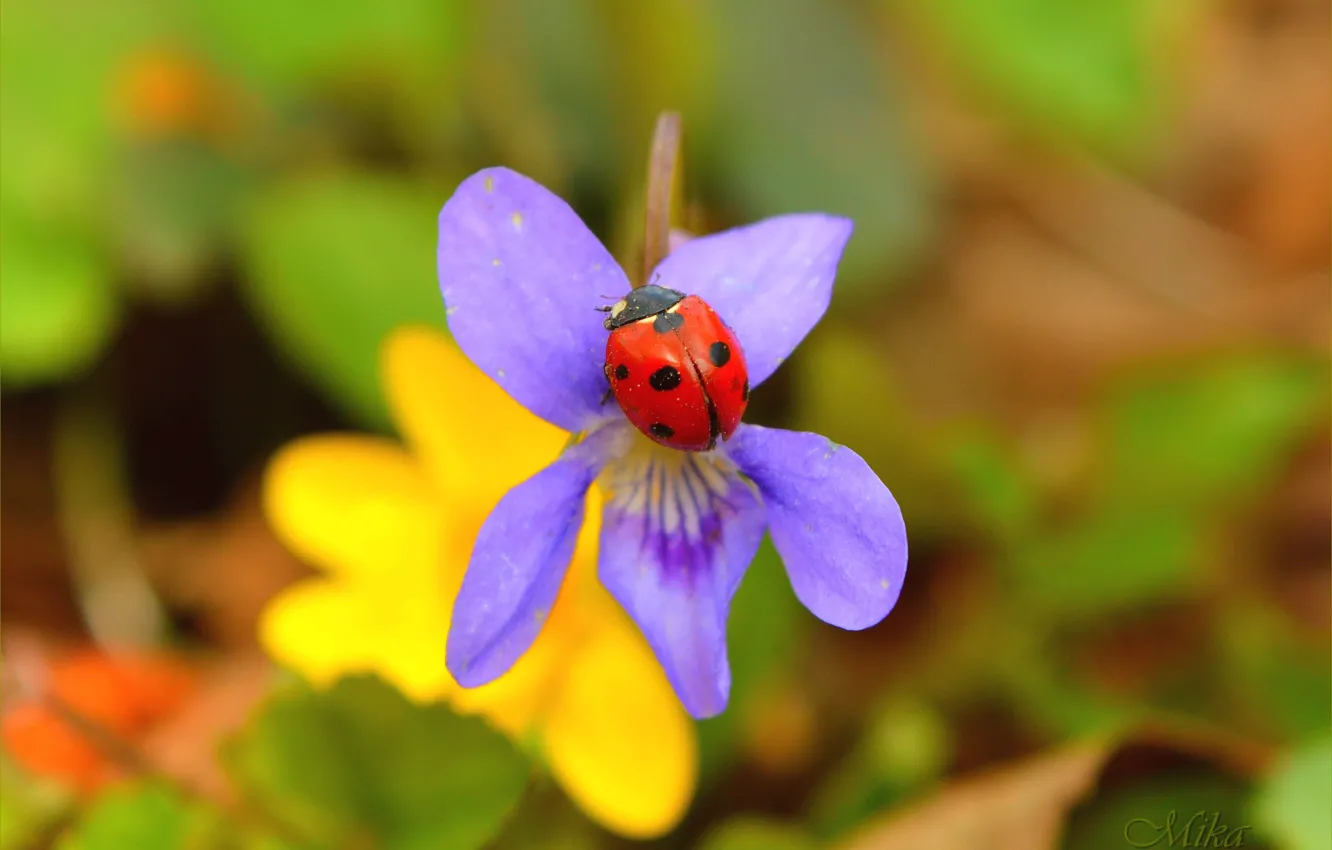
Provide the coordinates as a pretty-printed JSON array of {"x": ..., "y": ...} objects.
[
  {"x": 547, "y": 102},
  {"x": 762, "y": 636},
  {"x": 1088, "y": 71},
  {"x": 999, "y": 496},
  {"x": 1291, "y": 806},
  {"x": 1053, "y": 699},
  {"x": 176, "y": 202},
  {"x": 362, "y": 761},
  {"x": 1193, "y": 437},
  {"x": 58, "y": 305},
  {"x": 820, "y": 133},
  {"x": 332, "y": 264},
  {"x": 1271, "y": 672},
  {"x": 284, "y": 43},
  {"x": 748, "y": 833},
  {"x": 61, "y": 63},
  {"x": 906, "y": 747},
  {"x": 1182, "y": 800},
  {"x": 546, "y": 819},
  {"x": 1110, "y": 560},
  {"x": 28, "y": 805},
  {"x": 1295, "y": 688},
  {"x": 149, "y": 817}
]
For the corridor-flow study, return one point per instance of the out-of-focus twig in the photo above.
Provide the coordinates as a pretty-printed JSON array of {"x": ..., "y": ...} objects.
[{"x": 97, "y": 524}]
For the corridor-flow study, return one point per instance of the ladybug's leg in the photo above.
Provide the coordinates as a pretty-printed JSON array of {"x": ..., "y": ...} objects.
[{"x": 605, "y": 370}]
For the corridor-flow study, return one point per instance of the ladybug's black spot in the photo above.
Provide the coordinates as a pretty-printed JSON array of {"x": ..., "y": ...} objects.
[
  {"x": 659, "y": 429},
  {"x": 665, "y": 378},
  {"x": 621, "y": 372},
  {"x": 744, "y": 394},
  {"x": 667, "y": 322},
  {"x": 719, "y": 353}
]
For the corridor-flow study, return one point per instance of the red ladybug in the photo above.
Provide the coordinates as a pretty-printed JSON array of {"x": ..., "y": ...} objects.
[{"x": 675, "y": 368}]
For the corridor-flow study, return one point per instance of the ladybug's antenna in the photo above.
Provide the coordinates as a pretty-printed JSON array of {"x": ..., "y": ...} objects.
[{"x": 605, "y": 309}]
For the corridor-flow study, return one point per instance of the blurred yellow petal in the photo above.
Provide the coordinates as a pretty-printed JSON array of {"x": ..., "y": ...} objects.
[
  {"x": 319, "y": 629},
  {"x": 357, "y": 506},
  {"x": 616, "y": 737},
  {"x": 325, "y": 629},
  {"x": 475, "y": 440}
]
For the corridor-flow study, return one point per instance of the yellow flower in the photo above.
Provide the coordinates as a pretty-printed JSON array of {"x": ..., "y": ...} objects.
[{"x": 392, "y": 528}]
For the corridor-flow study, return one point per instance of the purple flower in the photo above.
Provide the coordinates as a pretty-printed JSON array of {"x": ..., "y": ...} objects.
[{"x": 521, "y": 275}]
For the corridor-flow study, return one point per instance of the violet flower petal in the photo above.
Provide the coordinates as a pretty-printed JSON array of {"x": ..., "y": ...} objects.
[
  {"x": 770, "y": 281},
  {"x": 838, "y": 529},
  {"x": 677, "y": 534},
  {"x": 518, "y": 563},
  {"x": 521, "y": 277}
]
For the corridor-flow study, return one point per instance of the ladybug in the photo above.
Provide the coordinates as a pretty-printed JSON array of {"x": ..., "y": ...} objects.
[{"x": 675, "y": 368}]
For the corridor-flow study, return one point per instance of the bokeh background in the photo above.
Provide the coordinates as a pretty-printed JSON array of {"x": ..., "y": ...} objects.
[{"x": 1082, "y": 331}]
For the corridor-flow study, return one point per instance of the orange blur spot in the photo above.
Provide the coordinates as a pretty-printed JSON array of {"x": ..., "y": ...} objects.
[
  {"x": 126, "y": 695},
  {"x": 163, "y": 92}
]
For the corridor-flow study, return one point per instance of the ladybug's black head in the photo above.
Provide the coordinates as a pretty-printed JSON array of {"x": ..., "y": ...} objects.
[{"x": 641, "y": 303}]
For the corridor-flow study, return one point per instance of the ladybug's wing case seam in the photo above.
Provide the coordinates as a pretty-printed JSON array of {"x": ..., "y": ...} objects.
[
  {"x": 714, "y": 424},
  {"x": 723, "y": 378}
]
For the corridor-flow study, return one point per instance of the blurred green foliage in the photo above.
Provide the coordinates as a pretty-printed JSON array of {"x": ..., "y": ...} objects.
[
  {"x": 148, "y": 817},
  {"x": 1183, "y": 799},
  {"x": 816, "y": 134},
  {"x": 756, "y": 834},
  {"x": 1095, "y": 72},
  {"x": 335, "y": 263},
  {"x": 1291, "y": 805},
  {"x": 361, "y": 760},
  {"x": 161, "y": 153}
]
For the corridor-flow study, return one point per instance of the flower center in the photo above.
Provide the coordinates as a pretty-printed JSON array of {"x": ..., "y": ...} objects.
[{"x": 680, "y": 498}]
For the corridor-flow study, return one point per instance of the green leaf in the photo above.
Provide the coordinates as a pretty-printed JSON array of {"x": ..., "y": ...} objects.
[
  {"x": 332, "y": 264},
  {"x": 61, "y": 63},
  {"x": 177, "y": 203},
  {"x": 907, "y": 746},
  {"x": 1291, "y": 805},
  {"x": 1109, "y": 561},
  {"x": 999, "y": 496},
  {"x": 543, "y": 79},
  {"x": 284, "y": 43},
  {"x": 58, "y": 306},
  {"x": 1196, "y": 436},
  {"x": 148, "y": 817},
  {"x": 1169, "y": 803},
  {"x": 28, "y": 806},
  {"x": 1272, "y": 672},
  {"x": 1089, "y": 71},
  {"x": 362, "y": 761},
  {"x": 748, "y": 833},
  {"x": 815, "y": 134}
]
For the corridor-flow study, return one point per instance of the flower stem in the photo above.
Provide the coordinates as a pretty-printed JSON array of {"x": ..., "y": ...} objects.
[{"x": 665, "y": 177}]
